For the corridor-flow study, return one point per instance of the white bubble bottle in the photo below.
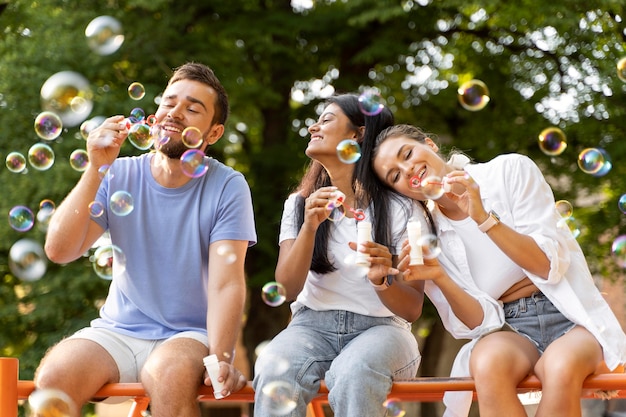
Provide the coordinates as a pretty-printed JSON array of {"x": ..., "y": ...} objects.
[{"x": 212, "y": 367}]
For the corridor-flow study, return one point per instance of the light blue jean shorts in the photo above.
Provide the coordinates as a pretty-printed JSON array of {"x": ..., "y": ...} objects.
[{"x": 537, "y": 318}]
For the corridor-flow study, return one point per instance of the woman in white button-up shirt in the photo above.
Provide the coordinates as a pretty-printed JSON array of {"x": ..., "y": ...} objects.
[{"x": 500, "y": 235}]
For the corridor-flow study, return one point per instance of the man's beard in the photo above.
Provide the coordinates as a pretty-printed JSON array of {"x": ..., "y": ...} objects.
[{"x": 173, "y": 149}]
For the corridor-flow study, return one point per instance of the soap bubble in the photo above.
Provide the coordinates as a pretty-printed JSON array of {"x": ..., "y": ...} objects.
[
  {"x": 473, "y": 95},
  {"x": 136, "y": 91},
  {"x": 121, "y": 203},
  {"x": 570, "y": 223},
  {"x": 137, "y": 115},
  {"x": 104, "y": 35},
  {"x": 618, "y": 249},
  {"x": 140, "y": 137},
  {"x": 27, "y": 260},
  {"x": 50, "y": 402},
  {"x": 394, "y": 408},
  {"x": 105, "y": 258},
  {"x": 278, "y": 398},
  {"x": 41, "y": 156},
  {"x": 15, "y": 162},
  {"x": 273, "y": 294},
  {"x": 68, "y": 94},
  {"x": 431, "y": 243},
  {"x": 21, "y": 218},
  {"x": 194, "y": 163},
  {"x": 370, "y": 102},
  {"x": 552, "y": 141},
  {"x": 192, "y": 137},
  {"x": 432, "y": 187},
  {"x": 48, "y": 125},
  {"x": 606, "y": 165},
  {"x": 564, "y": 208},
  {"x": 348, "y": 151},
  {"x": 96, "y": 209},
  {"x": 90, "y": 124},
  {"x": 621, "y": 69},
  {"x": 590, "y": 160},
  {"x": 79, "y": 160},
  {"x": 622, "y": 203}
]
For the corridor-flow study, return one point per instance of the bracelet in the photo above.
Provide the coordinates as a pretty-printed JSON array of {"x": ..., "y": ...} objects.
[{"x": 383, "y": 285}]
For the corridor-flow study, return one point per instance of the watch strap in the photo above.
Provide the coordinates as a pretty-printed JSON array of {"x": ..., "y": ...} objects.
[{"x": 491, "y": 221}]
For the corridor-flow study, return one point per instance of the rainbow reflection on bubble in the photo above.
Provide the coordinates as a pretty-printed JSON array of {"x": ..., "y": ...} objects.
[
  {"x": 618, "y": 250},
  {"x": 140, "y": 137},
  {"x": 41, "y": 156},
  {"x": 552, "y": 141},
  {"x": 473, "y": 95},
  {"x": 590, "y": 160},
  {"x": 192, "y": 137},
  {"x": 348, "y": 151},
  {"x": 606, "y": 165},
  {"x": 96, "y": 209},
  {"x": 194, "y": 163},
  {"x": 621, "y": 203},
  {"x": 121, "y": 203},
  {"x": 394, "y": 408},
  {"x": 15, "y": 162},
  {"x": 370, "y": 102},
  {"x": 79, "y": 160},
  {"x": 48, "y": 125},
  {"x": 273, "y": 294},
  {"x": 21, "y": 218},
  {"x": 136, "y": 91},
  {"x": 564, "y": 208}
]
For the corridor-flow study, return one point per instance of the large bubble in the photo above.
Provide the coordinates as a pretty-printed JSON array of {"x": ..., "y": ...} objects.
[
  {"x": 50, "y": 402},
  {"x": 68, "y": 94},
  {"x": 27, "y": 260},
  {"x": 104, "y": 35}
]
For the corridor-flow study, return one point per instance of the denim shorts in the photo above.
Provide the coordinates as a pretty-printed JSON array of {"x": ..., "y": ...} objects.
[{"x": 537, "y": 318}]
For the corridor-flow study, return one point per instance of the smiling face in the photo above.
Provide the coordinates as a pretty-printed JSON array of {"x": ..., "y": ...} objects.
[
  {"x": 332, "y": 127},
  {"x": 400, "y": 160},
  {"x": 187, "y": 103}
]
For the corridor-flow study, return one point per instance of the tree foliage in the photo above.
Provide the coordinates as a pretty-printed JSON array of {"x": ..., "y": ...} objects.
[{"x": 545, "y": 64}]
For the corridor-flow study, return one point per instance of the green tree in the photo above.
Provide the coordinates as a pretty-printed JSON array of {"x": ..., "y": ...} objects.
[{"x": 545, "y": 64}]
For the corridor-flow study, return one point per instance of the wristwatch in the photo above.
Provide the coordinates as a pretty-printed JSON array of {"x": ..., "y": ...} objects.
[
  {"x": 491, "y": 221},
  {"x": 383, "y": 285}
]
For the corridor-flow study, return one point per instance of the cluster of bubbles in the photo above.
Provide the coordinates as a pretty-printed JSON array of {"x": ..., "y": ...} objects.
[
  {"x": 567, "y": 219},
  {"x": 27, "y": 260},
  {"x": 370, "y": 103}
]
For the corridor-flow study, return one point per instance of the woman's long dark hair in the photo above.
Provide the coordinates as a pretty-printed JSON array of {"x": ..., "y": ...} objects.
[{"x": 316, "y": 176}]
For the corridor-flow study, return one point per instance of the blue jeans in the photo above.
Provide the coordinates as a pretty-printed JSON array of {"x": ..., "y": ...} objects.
[
  {"x": 357, "y": 356},
  {"x": 538, "y": 319}
]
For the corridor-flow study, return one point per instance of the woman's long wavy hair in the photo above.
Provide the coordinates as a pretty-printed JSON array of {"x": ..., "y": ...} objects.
[{"x": 364, "y": 189}]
